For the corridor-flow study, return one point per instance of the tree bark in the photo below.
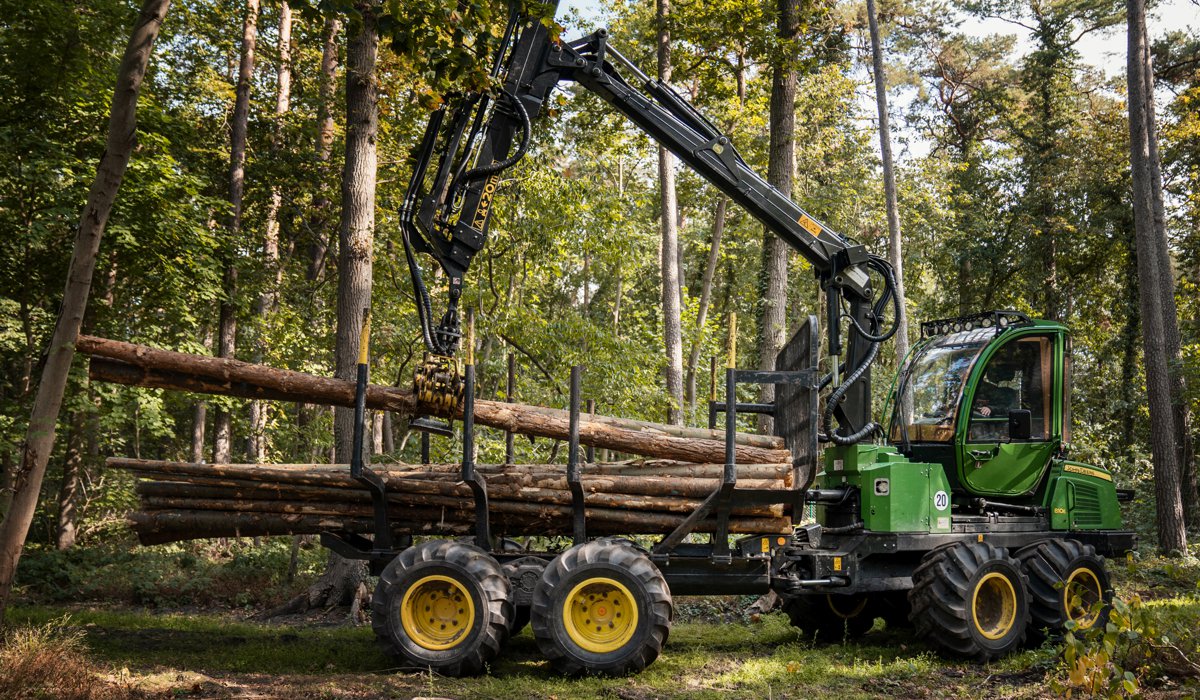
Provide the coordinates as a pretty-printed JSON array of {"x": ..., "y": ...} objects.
[
  {"x": 710, "y": 270},
  {"x": 227, "y": 331},
  {"x": 1181, "y": 406},
  {"x": 39, "y": 438},
  {"x": 72, "y": 463},
  {"x": 139, "y": 366},
  {"x": 268, "y": 296},
  {"x": 355, "y": 239},
  {"x": 895, "y": 246},
  {"x": 1152, "y": 255},
  {"x": 318, "y": 220},
  {"x": 671, "y": 288},
  {"x": 781, "y": 168}
]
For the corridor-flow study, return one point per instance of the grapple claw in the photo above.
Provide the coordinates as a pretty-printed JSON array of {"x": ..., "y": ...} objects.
[{"x": 438, "y": 385}]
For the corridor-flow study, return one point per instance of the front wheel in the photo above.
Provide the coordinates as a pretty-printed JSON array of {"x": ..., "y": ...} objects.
[
  {"x": 971, "y": 599},
  {"x": 1067, "y": 583},
  {"x": 601, "y": 608},
  {"x": 442, "y": 605}
]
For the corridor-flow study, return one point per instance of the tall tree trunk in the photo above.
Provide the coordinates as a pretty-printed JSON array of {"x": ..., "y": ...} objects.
[
  {"x": 72, "y": 461},
  {"x": 1180, "y": 406},
  {"x": 39, "y": 438},
  {"x": 268, "y": 296},
  {"x": 895, "y": 249},
  {"x": 710, "y": 270},
  {"x": 781, "y": 168},
  {"x": 672, "y": 331},
  {"x": 200, "y": 413},
  {"x": 318, "y": 221},
  {"x": 355, "y": 239},
  {"x": 227, "y": 331},
  {"x": 1151, "y": 253}
]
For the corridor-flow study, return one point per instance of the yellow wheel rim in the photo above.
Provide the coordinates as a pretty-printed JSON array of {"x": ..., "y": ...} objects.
[
  {"x": 437, "y": 612},
  {"x": 994, "y": 606},
  {"x": 852, "y": 611},
  {"x": 1081, "y": 594},
  {"x": 600, "y": 615}
]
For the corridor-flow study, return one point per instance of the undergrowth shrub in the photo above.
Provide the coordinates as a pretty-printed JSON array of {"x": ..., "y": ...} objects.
[
  {"x": 1144, "y": 643},
  {"x": 236, "y": 573},
  {"x": 49, "y": 661}
]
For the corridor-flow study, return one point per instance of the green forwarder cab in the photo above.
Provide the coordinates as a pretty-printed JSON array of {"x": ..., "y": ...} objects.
[{"x": 970, "y": 522}]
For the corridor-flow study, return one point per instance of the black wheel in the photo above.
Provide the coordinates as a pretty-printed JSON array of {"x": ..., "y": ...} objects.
[
  {"x": 442, "y": 605},
  {"x": 1067, "y": 581},
  {"x": 831, "y": 617},
  {"x": 971, "y": 599},
  {"x": 603, "y": 608},
  {"x": 893, "y": 607}
]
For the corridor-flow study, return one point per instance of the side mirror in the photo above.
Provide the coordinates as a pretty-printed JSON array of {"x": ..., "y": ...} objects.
[{"x": 1020, "y": 424}]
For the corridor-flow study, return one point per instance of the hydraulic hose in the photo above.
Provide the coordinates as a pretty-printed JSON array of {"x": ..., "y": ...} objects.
[
  {"x": 889, "y": 294},
  {"x": 526, "y": 137}
]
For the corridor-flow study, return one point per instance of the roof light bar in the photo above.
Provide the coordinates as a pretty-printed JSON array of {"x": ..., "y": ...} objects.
[{"x": 1000, "y": 320}]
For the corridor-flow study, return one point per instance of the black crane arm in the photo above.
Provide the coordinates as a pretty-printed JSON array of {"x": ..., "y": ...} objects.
[{"x": 450, "y": 219}]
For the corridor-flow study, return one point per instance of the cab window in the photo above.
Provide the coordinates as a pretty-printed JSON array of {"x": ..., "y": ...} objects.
[{"x": 1018, "y": 376}]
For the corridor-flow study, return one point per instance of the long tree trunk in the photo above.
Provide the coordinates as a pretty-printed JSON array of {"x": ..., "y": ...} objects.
[
  {"x": 710, "y": 270},
  {"x": 318, "y": 220},
  {"x": 895, "y": 249},
  {"x": 671, "y": 288},
  {"x": 1151, "y": 253},
  {"x": 138, "y": 365},
  {"x": 200, "y": 414},
  {"x": 39, "y": 438},
  {"x": 268, "y": 296},
  {"x": 781, "y": 168},
  {"x": 355, "y": 239},
  {"x": 72, "y": 463},
  {"x": 1181, "y": 407},
  {"x": 227, "y": 331}
]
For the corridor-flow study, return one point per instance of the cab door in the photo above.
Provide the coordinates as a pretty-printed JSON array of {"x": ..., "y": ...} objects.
[{"x": 1019, "y": 373}]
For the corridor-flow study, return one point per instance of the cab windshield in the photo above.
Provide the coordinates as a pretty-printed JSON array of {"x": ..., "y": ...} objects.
[{"x": 932, "y": 386}]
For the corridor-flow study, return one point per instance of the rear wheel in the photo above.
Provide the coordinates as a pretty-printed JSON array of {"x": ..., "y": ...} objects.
[
  {"x": 971, "y": 599},
  {"x": 829, "y": 617},
  {"x": 1067, "y": 582},
  {"x": 603, "y": 608},
  {"x": 442, "y": 605}
]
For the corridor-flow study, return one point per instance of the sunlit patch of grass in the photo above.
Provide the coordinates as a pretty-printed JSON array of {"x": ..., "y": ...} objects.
[
  {"x": 214, "y": 643},
  {"x": 49, "y": 660}
]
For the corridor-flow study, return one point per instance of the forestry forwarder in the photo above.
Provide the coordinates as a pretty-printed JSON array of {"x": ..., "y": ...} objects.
[{"x": 969, "y": 521}]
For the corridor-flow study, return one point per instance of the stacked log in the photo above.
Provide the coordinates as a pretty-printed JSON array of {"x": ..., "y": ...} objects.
[
  {"x": 139, "y": 365},
  {"x": 181, "y": 501}
]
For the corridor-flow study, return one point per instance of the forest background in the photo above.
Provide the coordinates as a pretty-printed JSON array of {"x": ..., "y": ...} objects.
[{"x": 1014, "y": 191}]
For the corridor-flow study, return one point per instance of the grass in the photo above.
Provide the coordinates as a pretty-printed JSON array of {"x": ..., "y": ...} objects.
[
  {"x": 702, "y": 660},
  {"x": 713, "y": 652}
]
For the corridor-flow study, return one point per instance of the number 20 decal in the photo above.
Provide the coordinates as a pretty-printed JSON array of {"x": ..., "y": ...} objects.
[{"x": 941, "y": 500}]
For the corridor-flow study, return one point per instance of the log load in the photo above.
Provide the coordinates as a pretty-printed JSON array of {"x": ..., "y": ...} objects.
[
  {"x": 139, "y": 365},
  {"x": 182, "y": 500}
]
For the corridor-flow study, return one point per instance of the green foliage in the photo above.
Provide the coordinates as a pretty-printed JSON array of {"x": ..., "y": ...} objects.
[{"x": 238, "y": 574}]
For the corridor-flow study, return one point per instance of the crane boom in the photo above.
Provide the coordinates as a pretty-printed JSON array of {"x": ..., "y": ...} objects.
[{"x": 447, "y": 215}]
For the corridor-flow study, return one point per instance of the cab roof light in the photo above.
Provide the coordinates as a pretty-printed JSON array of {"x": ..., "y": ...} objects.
[{"x": 1000, "y": 320}]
